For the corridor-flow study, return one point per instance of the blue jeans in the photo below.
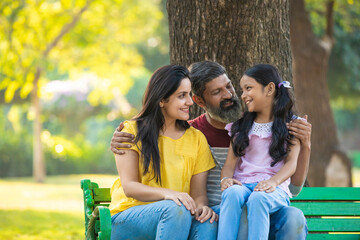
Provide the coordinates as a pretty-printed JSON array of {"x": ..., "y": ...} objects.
[
  {"x": 286, "y": 222},
  {"x": 160, "y": 220}
]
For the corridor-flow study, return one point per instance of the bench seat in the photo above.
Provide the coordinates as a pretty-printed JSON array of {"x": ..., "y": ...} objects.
[{"x": 331, "y": 213}]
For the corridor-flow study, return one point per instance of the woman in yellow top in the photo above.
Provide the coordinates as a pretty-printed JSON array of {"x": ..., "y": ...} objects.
[{"x": 161, "y": 192}]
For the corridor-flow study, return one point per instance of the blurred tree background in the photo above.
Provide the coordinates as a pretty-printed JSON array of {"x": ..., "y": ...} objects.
[
  {"x": 344, "y": 69},
  {"x": 88, "y": 63}
]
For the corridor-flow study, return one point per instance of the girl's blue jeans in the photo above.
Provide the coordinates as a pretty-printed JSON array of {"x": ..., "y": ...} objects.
[
  {"x": 286, "y": 222},
  {"x": 160, "y": 220}
]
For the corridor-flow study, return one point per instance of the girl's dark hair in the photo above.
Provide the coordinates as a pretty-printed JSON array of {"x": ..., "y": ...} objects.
[
  {"x": 164, "y": 82},
  {"x": 282, "y": 113}
]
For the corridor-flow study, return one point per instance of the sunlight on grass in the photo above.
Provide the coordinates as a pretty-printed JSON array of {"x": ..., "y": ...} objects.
[
  {"x": 51, "y": 210},
  {"x": 58, "y": 193},
  {"x": 40, "y": 225}
]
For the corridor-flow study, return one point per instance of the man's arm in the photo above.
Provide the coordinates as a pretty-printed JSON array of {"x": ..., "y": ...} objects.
[
  {"x": 302, "y": 130},
  {"x": 119, "y": 139}
]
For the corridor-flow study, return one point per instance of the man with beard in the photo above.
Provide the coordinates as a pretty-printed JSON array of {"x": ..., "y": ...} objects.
[{"x": 213, "y": 91}]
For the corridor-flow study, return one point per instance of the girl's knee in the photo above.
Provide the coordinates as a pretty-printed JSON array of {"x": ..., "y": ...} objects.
[
  {"x": 258, "y": 198},
  {"x": 233, "y": 192}
]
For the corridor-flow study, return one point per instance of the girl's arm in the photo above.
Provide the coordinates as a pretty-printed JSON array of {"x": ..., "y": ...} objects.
[
  {"x": 227, "y": 171},
  {"x": 285, "y": 172},
  {"x": 128, "y": 169},
  {"x": 198, "y": 193}
]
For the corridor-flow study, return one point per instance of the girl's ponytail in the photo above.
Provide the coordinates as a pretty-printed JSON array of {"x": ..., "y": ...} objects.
[{"x": 282, "y": 113}]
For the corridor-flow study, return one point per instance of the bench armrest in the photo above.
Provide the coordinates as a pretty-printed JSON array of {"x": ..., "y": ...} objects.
[
  {"x": 97, "y": 218},
  {"x": 101, "y": 227}
]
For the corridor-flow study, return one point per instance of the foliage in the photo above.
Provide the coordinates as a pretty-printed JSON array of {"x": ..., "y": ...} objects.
[
  {"x": 15, "y": 143},
  {"x": 103, "y": 41},
  {"x": 84, "y": 151},
  {"x": 344, "y": 69},
  {"x": 100, "y": 46},
  {"x": 344, "y": 65},
  {"x": 355, "y": 157}
]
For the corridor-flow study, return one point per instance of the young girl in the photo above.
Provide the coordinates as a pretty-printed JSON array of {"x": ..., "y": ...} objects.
[
  {"x": 163, "y": 175},
  {"x": 262, "y": 155}
]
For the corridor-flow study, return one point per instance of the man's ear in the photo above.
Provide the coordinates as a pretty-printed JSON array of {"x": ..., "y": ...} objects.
[
  {"x": 198, "y": 100},
  {"x": 270, "y": 89}
]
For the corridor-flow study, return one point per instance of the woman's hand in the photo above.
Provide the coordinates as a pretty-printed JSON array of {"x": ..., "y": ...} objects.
[
  {"x": 203, "y": 213},
  {"x": 181, "y": 198},
  {"x": 228, "y": 182},
  {"x": 267, "y": 186}
]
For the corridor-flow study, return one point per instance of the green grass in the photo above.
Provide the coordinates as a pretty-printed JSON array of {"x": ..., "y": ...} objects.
[
  {"x": 40, "y": 225},
  {"x": 37, "y": 211}
]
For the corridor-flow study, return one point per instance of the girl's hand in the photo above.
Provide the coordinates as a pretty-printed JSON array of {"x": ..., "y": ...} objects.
[
  {"x": 181, "y": 198},
  {"x": 204, "y": 213},
  {"x": 267, "y": 186},
  {"x": 228, "y": 182}
]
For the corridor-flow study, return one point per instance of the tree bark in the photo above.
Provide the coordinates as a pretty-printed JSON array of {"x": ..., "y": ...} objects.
[
  {"x": 329, "y": 166},
  {"x": 237, "y": 34}
]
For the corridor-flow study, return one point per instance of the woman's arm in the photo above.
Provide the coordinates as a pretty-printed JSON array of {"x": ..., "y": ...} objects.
[
  {"x": 227, "y": 171},
  {"x": 128, "y": 165},
  {"x": 284, "y": 173},
  {"x": 198, "y": 193}
]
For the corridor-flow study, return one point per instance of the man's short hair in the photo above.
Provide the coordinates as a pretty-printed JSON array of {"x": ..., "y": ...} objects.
[{"x": 202, "y": 73}]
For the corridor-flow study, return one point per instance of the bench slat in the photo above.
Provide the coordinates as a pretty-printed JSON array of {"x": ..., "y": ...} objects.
[
  {"x": 333, "y": 225},
  {"x": 333, "y": 237},
  {"x": 102, "y": 195},
  {"x": 331, "y": 194},
  {"x": 328, "y": 208}
]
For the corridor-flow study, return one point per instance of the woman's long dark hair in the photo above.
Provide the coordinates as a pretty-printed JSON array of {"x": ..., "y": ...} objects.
[
  {"x": 164, "y": 82},
  {"x": 282, "y": 113}
]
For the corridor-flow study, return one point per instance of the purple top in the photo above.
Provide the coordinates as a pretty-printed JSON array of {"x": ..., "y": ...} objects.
[{"x": 255, "y": 166}]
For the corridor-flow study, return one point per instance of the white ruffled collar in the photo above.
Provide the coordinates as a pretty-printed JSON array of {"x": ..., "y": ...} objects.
[{"x": 261, "y": 129}]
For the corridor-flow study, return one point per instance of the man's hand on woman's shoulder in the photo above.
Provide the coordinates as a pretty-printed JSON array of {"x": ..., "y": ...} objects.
[{"x": 119, "y": 140}]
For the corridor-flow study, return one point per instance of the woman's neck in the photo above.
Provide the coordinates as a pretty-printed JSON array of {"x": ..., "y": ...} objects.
[{"x": 170, "y": 129}]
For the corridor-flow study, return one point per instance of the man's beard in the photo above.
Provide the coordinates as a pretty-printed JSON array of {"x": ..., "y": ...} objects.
[{"x": 225, "y": 114}]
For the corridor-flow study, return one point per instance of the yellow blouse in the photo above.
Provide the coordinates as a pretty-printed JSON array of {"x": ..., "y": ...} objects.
[{"x": 180, "y": 160}]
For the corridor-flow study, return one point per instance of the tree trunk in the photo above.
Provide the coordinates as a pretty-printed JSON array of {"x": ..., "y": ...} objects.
[
  {"x": 38, "y": 155},
  {"x": 329, "y": 166},
  {"x": 237, "y": 34}
]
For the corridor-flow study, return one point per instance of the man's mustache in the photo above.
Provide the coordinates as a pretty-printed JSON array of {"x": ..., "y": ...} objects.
[{"x": 232, "y": 100}]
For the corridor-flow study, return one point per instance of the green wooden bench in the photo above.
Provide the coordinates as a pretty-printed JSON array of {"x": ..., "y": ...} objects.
[{"x": 331, "y": 213}]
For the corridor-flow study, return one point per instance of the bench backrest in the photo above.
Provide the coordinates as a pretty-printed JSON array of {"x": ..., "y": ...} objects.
[{"x": 331, "y": 210}]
